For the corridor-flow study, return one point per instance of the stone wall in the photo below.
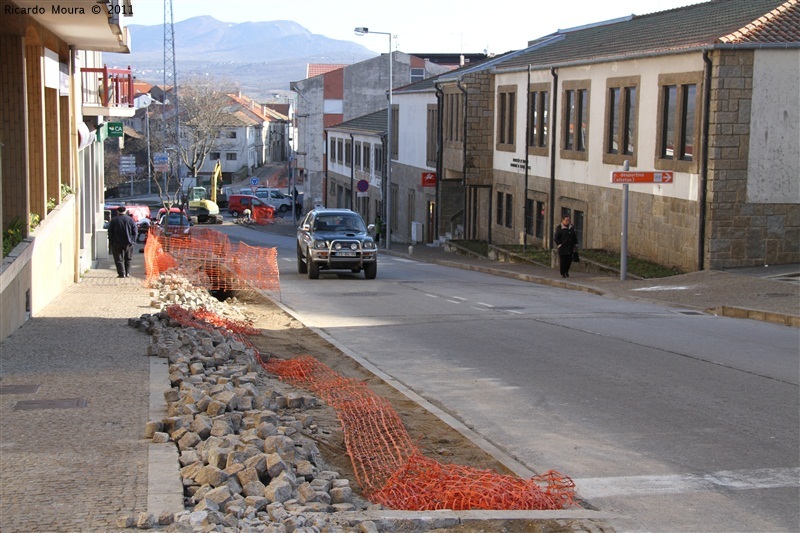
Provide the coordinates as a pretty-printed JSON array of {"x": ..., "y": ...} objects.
[{"x": 739, "y": 232}]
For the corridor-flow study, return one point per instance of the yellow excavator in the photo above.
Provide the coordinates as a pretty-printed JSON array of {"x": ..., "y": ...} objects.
[{"x": 204, "y": 206}]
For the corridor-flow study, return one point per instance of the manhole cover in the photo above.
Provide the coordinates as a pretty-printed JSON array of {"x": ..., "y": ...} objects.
[
  {"x": 68, "y": 403},
  {"x": 18, "y": 389},
  {"x": 777, "y": 295}
]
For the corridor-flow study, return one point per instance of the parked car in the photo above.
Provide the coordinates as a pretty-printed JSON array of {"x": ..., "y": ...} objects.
[
  {"x": 330, "y": 239},
  {"x": 273, "y": 197},
  {"x": 175, "y": 223},
  {"x": 237, "y": 203}
]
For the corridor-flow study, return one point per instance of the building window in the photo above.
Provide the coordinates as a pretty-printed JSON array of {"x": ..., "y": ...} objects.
[
  {"x": 622, "y": 114},
  {"x": 357, "y": 155},
  {"x": 365, "y": 160},
  {"x": 230, "y": 156},
  {"x": 378, "y": 160},
  {"x": 417, "y": 74},
  {"x": 232, "y": 134},
  {"x": 431, "y": 140},
  {"x": 575, "y": 123},
  {"x": 500, "y": 210},
  {"x": 332, "y": 150},
  {"x": 506, "y": 112},
  {"x": 348, "y": 153},
  {"x": 340, "y": 151},
  {"x": 529, "y": 216},
  {"x": 395, "y": 132},
  {"x": 539, "y": 229},
  {"x": 214, "y": 156},
  {"x": 577, "y": 219},
  {"x": 509, "y": 210},
  {"x": 453, "y": 117},
  {"x": 538, "y": 115},
  {"x": 678, "y": 125}
]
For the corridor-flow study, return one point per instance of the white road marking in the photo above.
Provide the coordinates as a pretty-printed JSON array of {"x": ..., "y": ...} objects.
[{"x": 761, "y": 478}]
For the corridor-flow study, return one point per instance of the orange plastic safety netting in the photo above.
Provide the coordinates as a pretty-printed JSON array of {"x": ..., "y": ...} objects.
[
  {"x": 207, "y": 320},
  {"x": 392, "y": 469},
  {"x": 209, "y": 258}
]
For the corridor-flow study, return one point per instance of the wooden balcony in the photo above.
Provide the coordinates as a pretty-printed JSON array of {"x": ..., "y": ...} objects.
[{"x": 107, "y": 92}]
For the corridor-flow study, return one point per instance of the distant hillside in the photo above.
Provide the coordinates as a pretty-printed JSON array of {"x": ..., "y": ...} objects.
[{"x": 261, "y": 57}]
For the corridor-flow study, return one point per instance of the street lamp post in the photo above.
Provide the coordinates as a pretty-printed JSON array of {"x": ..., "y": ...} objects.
[{"x": 387, "y": 219}]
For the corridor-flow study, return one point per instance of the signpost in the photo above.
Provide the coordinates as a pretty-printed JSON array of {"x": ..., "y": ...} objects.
[
  {"x": 627, "y": 177},
  {"x": 641, "y": 177},
  {"x": 362, "y": 186},
  {"x": 161, "y": 162},
  {"x": 127, "y": 165}
]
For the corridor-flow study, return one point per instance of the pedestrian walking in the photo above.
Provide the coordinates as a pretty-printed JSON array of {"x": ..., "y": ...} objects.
[
  {"x": 378, "y": 228},
  {"x": 122, "y": 233},
  {"x": 566, "y": 240}
]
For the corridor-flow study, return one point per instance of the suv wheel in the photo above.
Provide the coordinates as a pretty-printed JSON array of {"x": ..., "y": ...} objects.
[
  {"x": 235, "y": 214},
  {"x": 283, "y": 208},
  {"x": 371, "y": 270},
  {"x": 313, "y": 269},
  {"x": 302, "y": 267}
]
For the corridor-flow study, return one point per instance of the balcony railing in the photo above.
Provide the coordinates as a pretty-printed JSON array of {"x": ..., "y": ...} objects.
[{"x": 107, "y": 91}]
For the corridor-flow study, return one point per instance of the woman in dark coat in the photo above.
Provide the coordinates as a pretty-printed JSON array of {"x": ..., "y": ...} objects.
[{"x": 566, "y": 240}]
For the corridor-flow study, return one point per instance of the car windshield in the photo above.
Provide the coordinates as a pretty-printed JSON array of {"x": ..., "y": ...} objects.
[
  {"x": 175, "y": 219},
  {"x": 339, "y": 223}
]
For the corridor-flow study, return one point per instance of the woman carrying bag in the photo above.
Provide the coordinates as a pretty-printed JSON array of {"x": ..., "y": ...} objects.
[{"x": 566, "y": 240}]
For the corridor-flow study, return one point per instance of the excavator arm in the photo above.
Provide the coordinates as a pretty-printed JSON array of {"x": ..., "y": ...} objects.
[{"x": 216, "y": 176}]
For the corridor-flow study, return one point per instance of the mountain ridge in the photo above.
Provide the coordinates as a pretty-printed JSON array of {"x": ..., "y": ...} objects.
[{"x": 262, "y": 57}]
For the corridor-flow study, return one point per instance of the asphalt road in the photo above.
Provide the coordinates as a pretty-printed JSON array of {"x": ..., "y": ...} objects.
[{"x": 677, "y": 422}]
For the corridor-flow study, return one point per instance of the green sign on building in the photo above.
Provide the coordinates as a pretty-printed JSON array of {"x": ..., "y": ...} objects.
[{"x": 115, "y": 129}]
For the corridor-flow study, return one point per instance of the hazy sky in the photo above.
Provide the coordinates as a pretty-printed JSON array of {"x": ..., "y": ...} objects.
[{"x": 434, "y": 26}]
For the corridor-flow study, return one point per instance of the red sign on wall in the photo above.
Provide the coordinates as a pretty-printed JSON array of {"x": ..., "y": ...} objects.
[{"x": 429, "y": 179}]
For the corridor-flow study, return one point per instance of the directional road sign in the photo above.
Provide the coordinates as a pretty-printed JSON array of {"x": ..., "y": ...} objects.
[{"x": 630, "y": 176}]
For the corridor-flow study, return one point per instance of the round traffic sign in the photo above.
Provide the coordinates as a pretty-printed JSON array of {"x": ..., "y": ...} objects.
[
  {"x": 362, "y": 185},
  {"x": 254, "y": 181}
]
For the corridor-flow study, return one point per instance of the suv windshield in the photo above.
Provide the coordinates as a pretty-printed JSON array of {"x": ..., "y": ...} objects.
[{"x": 339, "y": 223}]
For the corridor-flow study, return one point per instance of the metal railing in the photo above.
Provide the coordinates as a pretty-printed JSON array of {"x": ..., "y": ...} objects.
[{"x": 107, "y": 87}]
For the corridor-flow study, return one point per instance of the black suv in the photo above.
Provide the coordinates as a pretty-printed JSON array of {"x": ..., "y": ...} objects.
[{"x": 332, "y": 239}]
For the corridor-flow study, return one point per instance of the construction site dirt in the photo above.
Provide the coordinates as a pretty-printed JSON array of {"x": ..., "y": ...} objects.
[{"x": 284, "y": 337}]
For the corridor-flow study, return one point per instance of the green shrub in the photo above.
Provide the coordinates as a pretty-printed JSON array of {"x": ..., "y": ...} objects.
[{"x": 13, "y": 235}]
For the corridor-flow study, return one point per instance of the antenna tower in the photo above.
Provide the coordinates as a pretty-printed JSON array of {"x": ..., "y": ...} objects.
[{"x": 170, "y": 78}]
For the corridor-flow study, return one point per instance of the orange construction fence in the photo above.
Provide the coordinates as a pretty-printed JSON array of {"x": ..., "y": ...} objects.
[
  {"x": 388, "y": 465},
  {"x": 393, "y": 470},
  {"x": 208, "y": 258}
]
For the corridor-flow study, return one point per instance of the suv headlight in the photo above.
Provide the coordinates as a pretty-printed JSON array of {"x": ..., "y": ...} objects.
[
  {"x": 369, "y": 245},
  {"x": 320, "y": 245}
]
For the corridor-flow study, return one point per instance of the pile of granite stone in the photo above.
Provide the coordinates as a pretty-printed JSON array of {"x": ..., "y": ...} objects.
[{"x": 247, "y": 454}]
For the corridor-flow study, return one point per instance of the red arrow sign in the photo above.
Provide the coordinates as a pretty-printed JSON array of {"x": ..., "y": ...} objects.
[{"x": 624, "y": 176}]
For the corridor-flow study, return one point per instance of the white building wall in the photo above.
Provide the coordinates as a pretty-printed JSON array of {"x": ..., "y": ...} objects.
[
  {"x": 413, "y": 128},
  {"x": 594, "y": 172},
  {"x": 775, "y": 128}
]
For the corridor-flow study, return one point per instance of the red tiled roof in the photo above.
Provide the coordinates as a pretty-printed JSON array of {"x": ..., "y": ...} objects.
[
  {"x": 781, "y": 25},
  {"x": 316, "y": 69}
]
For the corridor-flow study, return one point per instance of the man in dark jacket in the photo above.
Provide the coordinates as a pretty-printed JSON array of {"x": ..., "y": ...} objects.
[
  {"x": 121, "y": 238},
  {"x": 566, "y": 239}
]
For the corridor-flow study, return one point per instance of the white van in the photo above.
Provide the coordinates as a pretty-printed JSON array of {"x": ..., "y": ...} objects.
[{"x": 274, "y": 197}]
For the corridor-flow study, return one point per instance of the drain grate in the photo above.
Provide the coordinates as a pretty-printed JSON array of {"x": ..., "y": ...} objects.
[
  {"x": 18, "y": 389},
  {"x": 67, "y": 403},
  {"x": 692, "y": 313},
  {"x": 358, "y": 294}
]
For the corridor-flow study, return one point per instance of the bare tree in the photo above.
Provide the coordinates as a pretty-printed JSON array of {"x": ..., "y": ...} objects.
[{"x": 204, "y": 108}]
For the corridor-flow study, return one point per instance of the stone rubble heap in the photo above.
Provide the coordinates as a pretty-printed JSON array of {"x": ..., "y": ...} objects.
[{"x": 248, "y": 462}]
